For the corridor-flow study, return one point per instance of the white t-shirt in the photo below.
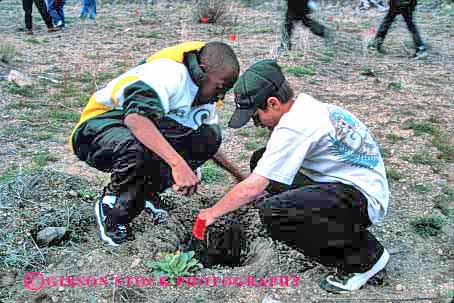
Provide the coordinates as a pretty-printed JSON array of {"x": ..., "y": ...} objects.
[
  {"x": 327, "y": 144},
  {"x": 173, "y": 84}
]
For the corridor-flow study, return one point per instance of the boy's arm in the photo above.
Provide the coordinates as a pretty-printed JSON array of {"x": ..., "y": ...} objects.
[
  {"x": 142, "y": 105},
  {"x": 239, "y": 195},
  {"x": 149, "y": 135},
  {"x": 220, "y": 159}
]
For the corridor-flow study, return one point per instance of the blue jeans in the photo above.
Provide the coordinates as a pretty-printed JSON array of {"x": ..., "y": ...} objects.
[
  {"x": 55, "y": 9},
  {"x": 88, "y": 8}
]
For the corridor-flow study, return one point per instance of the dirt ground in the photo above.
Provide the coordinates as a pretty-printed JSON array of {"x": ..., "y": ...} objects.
[{"x": 407, "y": 104}]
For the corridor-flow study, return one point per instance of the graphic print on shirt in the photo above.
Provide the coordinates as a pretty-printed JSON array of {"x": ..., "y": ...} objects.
[
  {"x": 352, "y": 141},
  {"x": 200, "y": 115}
]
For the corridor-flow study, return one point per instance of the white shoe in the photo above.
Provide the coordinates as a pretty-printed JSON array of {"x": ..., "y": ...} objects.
[
  {"x": 345, "y": 283},
  {"x": 160, "y": 216},
  {"x": 198, "y": 173}
]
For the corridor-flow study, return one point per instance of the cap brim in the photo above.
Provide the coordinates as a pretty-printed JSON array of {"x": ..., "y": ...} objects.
[{"x": 241, "y": 116}]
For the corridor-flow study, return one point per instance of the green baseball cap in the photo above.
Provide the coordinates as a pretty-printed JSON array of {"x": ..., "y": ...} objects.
[{"x": 260, "y": 81}]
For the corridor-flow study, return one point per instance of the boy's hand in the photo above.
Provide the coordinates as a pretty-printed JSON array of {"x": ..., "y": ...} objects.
[
  {"x": 185, "y": 179},
  {"x": 207, "y": 215}
]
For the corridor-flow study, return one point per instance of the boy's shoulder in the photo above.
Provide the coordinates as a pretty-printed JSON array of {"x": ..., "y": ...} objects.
[
  {"x": 176, "y": 52},
  {"x": 164, "y": 66}
]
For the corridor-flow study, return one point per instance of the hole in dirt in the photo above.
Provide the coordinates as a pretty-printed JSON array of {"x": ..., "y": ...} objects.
[
  {"x": 221, "y": 247},
  {"x": 226, "y": 242},
  {"x": 236, "y": 241}
]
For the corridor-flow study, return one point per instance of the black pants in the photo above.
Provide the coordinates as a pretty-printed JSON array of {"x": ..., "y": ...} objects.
[
  {"x": 298, "y": 11},
  {"x": 326, "y": 221},
  {"x": 137, "y": 173},
  {"x": 27, "y": 5},
  {"x": 407, "y": 14}
]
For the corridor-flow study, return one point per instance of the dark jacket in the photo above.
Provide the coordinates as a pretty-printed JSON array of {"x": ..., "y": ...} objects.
[
  {"x": 403, "y": 3},
  {"x": 297, "y": 8}
]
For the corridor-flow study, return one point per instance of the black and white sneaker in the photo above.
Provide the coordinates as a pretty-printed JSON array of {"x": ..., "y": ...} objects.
[
  {"x": 160, "y": 216},
  {"x": 341, "y": 283},
  {"x": 112, "y": 234}
]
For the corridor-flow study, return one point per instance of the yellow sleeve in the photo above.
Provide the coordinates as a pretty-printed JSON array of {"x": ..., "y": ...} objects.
[{"x": 176, "y": 52}]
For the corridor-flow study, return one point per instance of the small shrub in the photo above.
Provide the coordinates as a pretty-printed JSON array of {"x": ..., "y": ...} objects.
[
  {"x": 397, "y": 85},
  {"x": 151, "y": 35},
  {"x": 300, "y": 71},
  {"x": 385, "y": 152},
  {"x": 445, "y": 201},
  {"x": 210, "y": 11},
  {"x": 7, "y": 53},
  {"x": 394, "y": 138},
  {"x": 328, "y": 55},
  {"x": 428, "y": 226},
  {"x": 43, "y": 136},
  {"x": 87, "y": 193},
  {"x": 421, "y": 158},
  {"x": 422, "y": 188},
  {"x": 180, "y": 264},
  {"x": 423, "y": 128},
  {"x": 368, "y": 72},
  {"x": 91, "y": 55},
  {"x": 42, "y": 157},
  {"x": 393, "y": 174},
  {"x": 9, "y": 173},
  {"x": 32, "y": 41},
  {"x": 212, "y": 173},
  {"x": 251, "y": 145},
  {"x": 444, "y": 143},
  {"x": 62, "y": 116},
  {"x": 26, "y": 91},
  {"x": 449, "y": 192},
  {"x": 244, "y": 132},
  {"x": 262, "y": 132}
]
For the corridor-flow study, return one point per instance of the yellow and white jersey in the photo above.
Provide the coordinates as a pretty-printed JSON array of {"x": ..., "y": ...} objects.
[{"x": 160, "y": 87}]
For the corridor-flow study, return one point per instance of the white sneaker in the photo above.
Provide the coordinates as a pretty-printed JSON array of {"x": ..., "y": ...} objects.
[
  {"x": 160, "y": 216},
  {"x": 198, "y": 173},
  {"x": 345, "y": 283},
  {"x": 112, "y": 234}
]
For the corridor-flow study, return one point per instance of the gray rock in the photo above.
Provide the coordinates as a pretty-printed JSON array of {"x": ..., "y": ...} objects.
[
  {"x": 19, "y": 79},
  {"x": 399, "y": 287},
  {"x": 7, "y": 279},
  {"x": 50, "y": 235}
]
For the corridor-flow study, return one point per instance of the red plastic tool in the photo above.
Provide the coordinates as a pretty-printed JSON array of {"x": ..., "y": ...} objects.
[{"x": 199, "y": 228}]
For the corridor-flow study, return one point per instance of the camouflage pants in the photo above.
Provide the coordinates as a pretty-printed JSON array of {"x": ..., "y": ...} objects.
[{"x": 138, "y": 174}]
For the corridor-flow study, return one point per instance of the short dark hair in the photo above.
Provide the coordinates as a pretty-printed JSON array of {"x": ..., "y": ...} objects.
[
  {"x": 217, "y": 56},
  {"x": 286, "y": 93}
]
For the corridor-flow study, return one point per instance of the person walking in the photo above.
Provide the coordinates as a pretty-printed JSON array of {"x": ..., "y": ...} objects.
[
  {"x": 55, "y": 9},
  {"x": 405, "y": 8},
  {"x": 88, "y": 9},
  {"x": 27, "y": 6}
]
